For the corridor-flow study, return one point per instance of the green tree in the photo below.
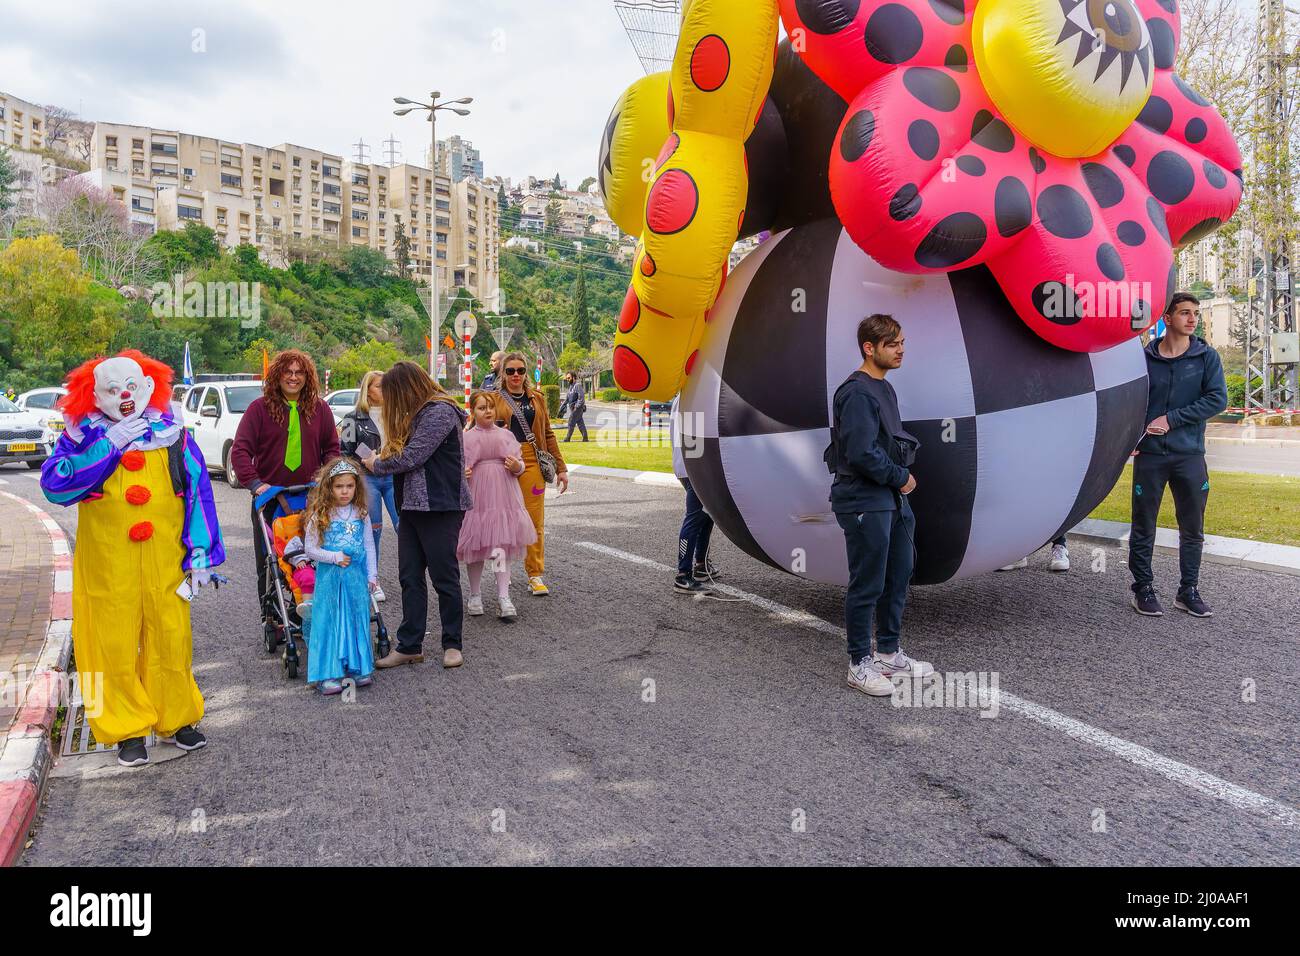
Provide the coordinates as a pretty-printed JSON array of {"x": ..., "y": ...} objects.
[
  {"x": 552, "y": 226},
  {"x": 586, "y": 184},
  {"x": 402, "y": 248},
  {"x": 581, "y": 313},
  {"x": 8, "y": 176},
  {"x": 365, "y": 267},
  {"x": 348, "y": 367}
]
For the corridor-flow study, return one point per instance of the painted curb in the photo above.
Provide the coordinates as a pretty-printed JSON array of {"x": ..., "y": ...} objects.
[
  {"x": 1257, "y": 555},
  {"x": 26, "y": 758}
]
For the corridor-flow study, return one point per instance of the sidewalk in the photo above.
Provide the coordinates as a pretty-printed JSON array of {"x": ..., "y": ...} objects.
[
  {"x": 1260, "y": 555},
  {"x": 1276, "y": 436},
  {"x": 35, "y": 636}
]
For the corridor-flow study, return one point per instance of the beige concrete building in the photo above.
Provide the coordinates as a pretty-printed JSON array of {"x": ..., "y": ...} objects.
[
  {"x": 22, "y": 124},
  {"x": 475, "y": 241}
]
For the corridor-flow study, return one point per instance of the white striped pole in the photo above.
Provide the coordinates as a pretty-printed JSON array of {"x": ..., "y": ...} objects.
[{"x": 467, "y": 372}]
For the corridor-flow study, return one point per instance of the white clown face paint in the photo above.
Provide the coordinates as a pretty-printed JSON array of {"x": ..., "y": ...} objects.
[{"x": 122, "y": 390}]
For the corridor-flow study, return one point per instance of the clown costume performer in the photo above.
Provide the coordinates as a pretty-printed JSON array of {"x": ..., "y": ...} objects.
[{"x": 147, "y": 535}]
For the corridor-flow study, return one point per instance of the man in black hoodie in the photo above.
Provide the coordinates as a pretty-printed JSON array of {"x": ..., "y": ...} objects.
[
  {"x": 1186, "y": 389},
  {"x": 869, "y": 456}
]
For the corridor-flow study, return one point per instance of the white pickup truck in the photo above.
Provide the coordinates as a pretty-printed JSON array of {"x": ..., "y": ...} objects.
[{"x": 213, "y": 411}]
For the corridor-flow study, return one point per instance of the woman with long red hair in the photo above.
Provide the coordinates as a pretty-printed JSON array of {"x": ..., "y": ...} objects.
[{"x": 284, "y": 437}]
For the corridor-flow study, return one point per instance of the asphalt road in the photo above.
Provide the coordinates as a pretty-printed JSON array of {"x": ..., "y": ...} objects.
[{"x": 1121, "y": 740}]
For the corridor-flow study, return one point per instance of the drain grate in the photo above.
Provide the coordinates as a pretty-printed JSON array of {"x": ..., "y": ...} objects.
[{"x": 78, "y": 738}]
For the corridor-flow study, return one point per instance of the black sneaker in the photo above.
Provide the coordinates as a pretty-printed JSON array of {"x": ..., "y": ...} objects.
[
  {"x": 132, "y": 752},
  {"x": 705, "y": 571},
  {"x": 688, "y": 584},
  {"x": 187, "y": 738},
  {"x": 1190, "y": 601},
  {"x": 1146, "y": 602}
]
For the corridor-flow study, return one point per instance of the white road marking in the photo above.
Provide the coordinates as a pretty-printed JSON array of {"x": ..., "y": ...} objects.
[{"x": 1139, "y": 756}]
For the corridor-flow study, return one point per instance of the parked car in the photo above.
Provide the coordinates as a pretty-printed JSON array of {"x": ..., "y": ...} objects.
[
  {"x": 24, "y": 435},
  {"x": 212, "y": 412},
  {"x": 43, "y": 401},
  {"x": 341, "y": 402}
]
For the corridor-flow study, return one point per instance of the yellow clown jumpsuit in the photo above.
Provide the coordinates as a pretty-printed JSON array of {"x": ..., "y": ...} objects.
[{"x": 130, "y": 629}]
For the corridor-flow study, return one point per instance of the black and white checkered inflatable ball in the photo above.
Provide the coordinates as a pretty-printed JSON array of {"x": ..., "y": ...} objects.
[{"x": 1020, "y": 440}]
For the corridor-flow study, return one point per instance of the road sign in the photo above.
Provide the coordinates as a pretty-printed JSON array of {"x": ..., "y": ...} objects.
[
  {"x": 466, "y": 324},
  {"x": 502, "y": 337}
]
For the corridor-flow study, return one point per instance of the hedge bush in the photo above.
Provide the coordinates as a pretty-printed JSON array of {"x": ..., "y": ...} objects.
[
  {"x": 610, "y": 395},
  {"x": 552, "y": 393}
]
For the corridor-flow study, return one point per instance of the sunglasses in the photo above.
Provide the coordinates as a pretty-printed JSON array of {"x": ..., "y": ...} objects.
[{"x": 515, "y": 371}]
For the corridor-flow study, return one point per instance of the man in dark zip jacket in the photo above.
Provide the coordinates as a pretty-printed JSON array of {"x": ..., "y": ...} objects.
[
  {"x": 869, "y": 456},
  {"x": 1186, "y": 389}
]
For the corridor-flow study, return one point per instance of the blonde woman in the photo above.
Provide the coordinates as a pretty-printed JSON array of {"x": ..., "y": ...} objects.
[
  {"x": 364, "y": 425},
  {"x": 527, "y": 403},
  {"x": 423, "y": 452}
]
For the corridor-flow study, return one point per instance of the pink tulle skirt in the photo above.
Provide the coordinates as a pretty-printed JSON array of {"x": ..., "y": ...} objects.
[{"x": 498, "y": 520}]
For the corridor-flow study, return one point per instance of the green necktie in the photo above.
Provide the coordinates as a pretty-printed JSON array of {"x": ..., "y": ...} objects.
[{"x": 293, "y": 447}]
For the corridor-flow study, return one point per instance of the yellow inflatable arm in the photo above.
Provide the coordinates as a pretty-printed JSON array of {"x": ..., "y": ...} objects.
[{"x": 694, "y": 203}]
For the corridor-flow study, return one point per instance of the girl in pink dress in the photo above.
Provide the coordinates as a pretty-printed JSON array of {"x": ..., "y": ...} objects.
[{"x": 497, "y": 529}]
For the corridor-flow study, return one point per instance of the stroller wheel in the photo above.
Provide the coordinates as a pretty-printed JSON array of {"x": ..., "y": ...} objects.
[
  {"x": 270, "y": 637},
  {"x": 290, "y": 669}
]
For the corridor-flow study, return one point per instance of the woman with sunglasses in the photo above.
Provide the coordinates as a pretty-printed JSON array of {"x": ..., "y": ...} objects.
[{"x": 529, "y": 404}]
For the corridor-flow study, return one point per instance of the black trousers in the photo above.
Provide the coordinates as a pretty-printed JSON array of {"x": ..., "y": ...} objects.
[
  {"x": 426, "y": 544},
  {"x": 881, "y": 556},
  {"x": 697, "y": 531},
  {"x": 575, "y": 421},
  {"x": 259, "y": 552},
  {"x": 1189, "y": 480}
]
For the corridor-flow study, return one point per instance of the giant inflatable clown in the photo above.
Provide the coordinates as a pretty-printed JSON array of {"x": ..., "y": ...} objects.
[
  {"x": 1009, "y": 178},
  {"x": 147, "y": 533}
]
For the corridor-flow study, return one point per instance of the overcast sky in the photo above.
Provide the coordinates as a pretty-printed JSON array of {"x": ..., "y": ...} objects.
[{"x": 322, "y": 73}]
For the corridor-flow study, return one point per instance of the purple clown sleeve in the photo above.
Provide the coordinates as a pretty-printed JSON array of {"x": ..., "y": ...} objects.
[
  {"x": 77, "y": 469},
  {"x": 202, "y": 533}
]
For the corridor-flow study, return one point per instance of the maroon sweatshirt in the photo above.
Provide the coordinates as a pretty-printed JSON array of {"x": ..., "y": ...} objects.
[{"x": 258, "y": 452}]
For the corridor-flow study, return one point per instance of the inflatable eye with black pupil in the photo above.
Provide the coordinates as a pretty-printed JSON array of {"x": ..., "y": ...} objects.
[{"x": 1117, "y": 25}]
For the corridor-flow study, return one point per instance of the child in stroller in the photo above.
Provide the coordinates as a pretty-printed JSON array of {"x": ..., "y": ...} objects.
[
  {"x": 290, "y": 580},
  {"x": 286, "y": 532}
]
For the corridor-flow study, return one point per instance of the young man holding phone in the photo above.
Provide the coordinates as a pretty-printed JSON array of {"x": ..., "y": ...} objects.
[
  {"x": 869, "y": 455},
  {"x": 1186, "y": 388}
]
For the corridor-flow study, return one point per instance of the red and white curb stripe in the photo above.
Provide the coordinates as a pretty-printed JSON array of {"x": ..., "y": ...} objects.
[{"x": 26, "y": 756}]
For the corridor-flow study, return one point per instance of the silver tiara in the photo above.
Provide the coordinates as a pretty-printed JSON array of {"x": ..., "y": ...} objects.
[{"x": 342, "y": 467}]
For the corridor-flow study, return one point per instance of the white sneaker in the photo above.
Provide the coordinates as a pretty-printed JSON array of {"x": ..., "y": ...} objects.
[
  {"x": 474, "y": 606},
  {"x": 903, "y": 666},
  {"x": 1022, "y": 563},
  {"x": 380, "y": 596},
  {"x": 1060, "y": 557},
  {"x": 507, "y": 611},
  {"x": 865, "y": 676}
]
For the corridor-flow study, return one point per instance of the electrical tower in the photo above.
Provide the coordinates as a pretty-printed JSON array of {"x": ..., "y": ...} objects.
[
  {"x": 392, "y": 150},
  {"x": 652, "y": 26},
  {"x": 1271, "y": 340},
  {"x": 362, "y": 152}
]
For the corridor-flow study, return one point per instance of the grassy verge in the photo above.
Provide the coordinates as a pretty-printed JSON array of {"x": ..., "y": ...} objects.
[{"x": 1258, "y": 507}]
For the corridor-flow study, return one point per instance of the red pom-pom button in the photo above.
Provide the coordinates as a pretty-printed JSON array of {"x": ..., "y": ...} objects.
[
  {"x": 133, "y": 460},
  {"x": 142, "y": 531},
  {"x": 138, "y": 495}
]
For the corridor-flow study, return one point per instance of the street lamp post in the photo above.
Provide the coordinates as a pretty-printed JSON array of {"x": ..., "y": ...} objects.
[{"x": 432, "y": 107}]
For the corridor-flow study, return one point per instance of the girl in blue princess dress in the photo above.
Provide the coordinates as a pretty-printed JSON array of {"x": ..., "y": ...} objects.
[{"x": 336, "y": 535}]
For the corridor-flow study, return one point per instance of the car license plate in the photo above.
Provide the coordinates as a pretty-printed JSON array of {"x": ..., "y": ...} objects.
[{"x": 22, "y": 446}]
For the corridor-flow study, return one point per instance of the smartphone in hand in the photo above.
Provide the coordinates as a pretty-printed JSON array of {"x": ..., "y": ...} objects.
[{"x": 364, "y": 451}]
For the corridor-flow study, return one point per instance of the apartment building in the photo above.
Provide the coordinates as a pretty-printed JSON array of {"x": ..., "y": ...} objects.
[
  {"x": 366, "y": 213},
  {"x": 458, "y": 160},
  {"x": 423, "y": 201},
  {"x": 22, "y": 124},
  {"x": 314, "y": 183},
  {"x": 475, "y": 239}
]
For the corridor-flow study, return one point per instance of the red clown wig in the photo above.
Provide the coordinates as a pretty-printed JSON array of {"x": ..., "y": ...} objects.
[{"x": 80, "y": 400}]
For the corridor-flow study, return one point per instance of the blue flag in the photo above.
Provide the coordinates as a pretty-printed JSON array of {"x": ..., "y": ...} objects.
[{"x": 187, "y": 376}]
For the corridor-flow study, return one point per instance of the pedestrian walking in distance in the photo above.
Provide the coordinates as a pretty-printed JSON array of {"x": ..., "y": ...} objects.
[{"x": 575, "y": 406}]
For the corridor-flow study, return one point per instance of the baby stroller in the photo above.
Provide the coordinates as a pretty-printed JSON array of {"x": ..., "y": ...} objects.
[{"x": 281, "y": 624}]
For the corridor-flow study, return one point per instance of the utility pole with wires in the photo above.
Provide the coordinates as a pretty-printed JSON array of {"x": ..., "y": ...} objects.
[
  {"x": 361, "y": 152},
  {"x": 652, "y": 26},
  {"x": 1271, "y": 333}
]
